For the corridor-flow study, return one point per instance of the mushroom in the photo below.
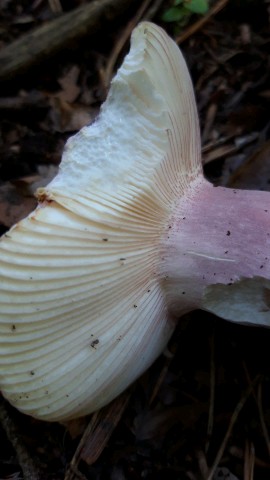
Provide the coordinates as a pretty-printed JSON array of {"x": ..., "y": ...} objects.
[{"x": 128, "y": 237}]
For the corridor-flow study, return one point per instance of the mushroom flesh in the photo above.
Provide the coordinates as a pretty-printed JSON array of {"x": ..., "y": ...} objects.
[{"x": 128, "y": 237}]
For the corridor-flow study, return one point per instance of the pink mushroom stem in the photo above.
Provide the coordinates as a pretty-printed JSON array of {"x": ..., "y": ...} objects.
[{"x": 218, "y": 237}]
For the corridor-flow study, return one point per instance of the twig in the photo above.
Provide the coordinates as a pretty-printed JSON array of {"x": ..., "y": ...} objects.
[
  {"x": 209, "y": 121},
  {"x": 153, "y": 9},
  {"x": 202, "y": 462},
  {"x": 202, "y": 21},
  {"x": 143, "y": 13},
  {"x": 97, "y": 434},
  {"x": 222, "y": 150},
  {"x": 30, "y": 470},
  {"x": 261, "y": 416},
  {"x": 258, "y": 401},
  {"x": 53, "y": 36},
  {"x": 163, "y": 372},
  {"x": 234, "y": 417},
  {"x": 249, "y": 461},
  {"x": 238, "y": 453},
  {"x": 55, "y": 6},
  {"x": 122, "y": 40},
  {"x": 212, "y": 392},
  {"x": 239, "y": 140}
]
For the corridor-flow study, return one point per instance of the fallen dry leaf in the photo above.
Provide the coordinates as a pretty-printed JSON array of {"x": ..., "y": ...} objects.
[
  {"x": 69, "y": 118},
  {"x": 70, "y": 89}
]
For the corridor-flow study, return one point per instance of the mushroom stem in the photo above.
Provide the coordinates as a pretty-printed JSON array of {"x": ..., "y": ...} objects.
[{"x": 216, "y": 252}]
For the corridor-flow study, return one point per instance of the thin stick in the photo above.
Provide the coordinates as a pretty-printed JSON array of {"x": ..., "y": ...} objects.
[
  {"x": 163, "y": 372},
  {"x": 44, "y": 41},
  {"x": 202, "y": 21},
  {"x": 261, "y": 416},
  {"x": 30, "y": 470},
  {"x": 97, "y": 434},
  {"x": 153, "y": 9},
  {"x": 55, "y": 6},
  {"x": 202, "y": 462},
  {"x": 212, "y": 392},
  {"x": 118, "y": 47},
  {"x": 258, "y": 401},
  {"x": 234, "y": 417},
  {"x": 249, "y": 461}
]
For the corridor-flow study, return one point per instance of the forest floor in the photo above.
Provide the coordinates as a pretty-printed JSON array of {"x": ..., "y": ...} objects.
[{"x": 202, "y": 411}]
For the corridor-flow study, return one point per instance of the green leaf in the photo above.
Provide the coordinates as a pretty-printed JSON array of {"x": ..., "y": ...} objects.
[
  {"x": 174, "y": 14},
  {"x": 197, "y": 6}
]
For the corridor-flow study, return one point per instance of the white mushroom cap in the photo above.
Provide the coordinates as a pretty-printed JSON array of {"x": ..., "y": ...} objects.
[{"x": 83, "y": 312}]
